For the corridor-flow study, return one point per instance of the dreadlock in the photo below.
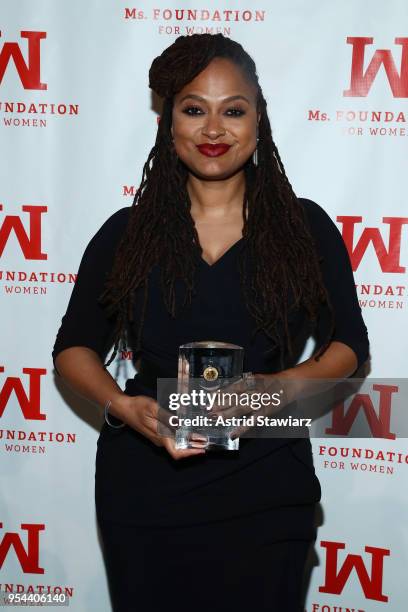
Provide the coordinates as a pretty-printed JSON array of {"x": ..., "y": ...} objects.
[{"x": 275, "y": 231}]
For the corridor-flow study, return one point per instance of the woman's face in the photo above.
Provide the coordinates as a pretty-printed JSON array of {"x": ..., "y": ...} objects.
[{"x": 218, "y": 107}]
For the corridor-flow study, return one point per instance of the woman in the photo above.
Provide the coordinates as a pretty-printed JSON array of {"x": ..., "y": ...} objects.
[{"x": 215, "y": 246}]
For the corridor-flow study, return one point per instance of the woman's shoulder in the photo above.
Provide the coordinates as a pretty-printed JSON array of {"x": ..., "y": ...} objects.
[
  {"x": 320, "y": 222},
  {"x": 118, "y": 220},
  {"x": 324, "y": 230},
  {"x": 316, "y": 214},
  {"x": 112, "y": 229},
  {"x": 104, "y": 242}
]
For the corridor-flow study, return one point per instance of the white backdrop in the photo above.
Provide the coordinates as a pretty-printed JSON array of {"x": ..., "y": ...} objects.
[{"x": 76, "y": 124}]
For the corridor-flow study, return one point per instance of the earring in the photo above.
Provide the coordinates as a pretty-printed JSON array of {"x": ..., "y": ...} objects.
[
  {"x": 172, "y": 147},
  {"x": 255, "y": 153}
]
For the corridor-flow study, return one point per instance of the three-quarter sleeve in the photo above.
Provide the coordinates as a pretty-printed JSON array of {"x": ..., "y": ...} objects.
[
  {"x": 85, "y": 322},
  {"x": 339, "y": 281}
]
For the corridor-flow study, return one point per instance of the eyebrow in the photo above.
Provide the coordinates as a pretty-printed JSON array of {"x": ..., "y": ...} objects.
[{"x": 200, "y": 99}]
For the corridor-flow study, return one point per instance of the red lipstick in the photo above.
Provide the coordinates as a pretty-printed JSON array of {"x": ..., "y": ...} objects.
[{"x": 213, "y": 150}]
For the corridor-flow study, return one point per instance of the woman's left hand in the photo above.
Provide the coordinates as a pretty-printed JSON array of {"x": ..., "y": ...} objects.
[
  {"x": 307, "y": 379},
  {"x": 262, "y": 395}
]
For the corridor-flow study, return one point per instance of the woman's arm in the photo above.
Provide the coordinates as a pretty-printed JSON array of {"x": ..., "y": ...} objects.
[
  {"x": 310, "y": 377},
  {"x": 82, "y": 369},
  {"x": 85, "y": 323},
  {"x": 349, "y": 346},
  {"x": 85, "y": 336}
]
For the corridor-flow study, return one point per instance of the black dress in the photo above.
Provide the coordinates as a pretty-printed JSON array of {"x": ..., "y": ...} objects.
[{"x": 230, "y": 527}]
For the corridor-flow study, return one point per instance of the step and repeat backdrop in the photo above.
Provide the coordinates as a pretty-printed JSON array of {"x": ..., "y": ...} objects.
[{"x": 77, "y": 121}]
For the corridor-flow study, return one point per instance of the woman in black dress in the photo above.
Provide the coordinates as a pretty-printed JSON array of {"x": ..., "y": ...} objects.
[{"x": 215, "y": 246}]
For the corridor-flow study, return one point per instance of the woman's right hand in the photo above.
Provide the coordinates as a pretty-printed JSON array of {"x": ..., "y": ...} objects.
[
  {"x": 82, "y": 368},
  {"x": 145, "y": 415}
]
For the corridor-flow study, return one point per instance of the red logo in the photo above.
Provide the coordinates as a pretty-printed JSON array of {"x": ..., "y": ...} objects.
[
  {"x": 361, "y": 82},
  {"x": 30, "y": 243},
  {"x": 29, "y": 559},
  {"x": 29, "y": 73},
  {"x": 343, "y": 420},
  {"x": 389, "y": 258},
  {"x": 30, "y": 403},
  {"x": 371, "y": 583}
]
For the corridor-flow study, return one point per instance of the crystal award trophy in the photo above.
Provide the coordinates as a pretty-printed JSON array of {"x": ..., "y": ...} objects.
[{"x": 204, "y": 368}]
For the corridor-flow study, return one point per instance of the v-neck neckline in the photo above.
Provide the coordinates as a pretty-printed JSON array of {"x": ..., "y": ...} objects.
[{"x": 222, "y": 257}]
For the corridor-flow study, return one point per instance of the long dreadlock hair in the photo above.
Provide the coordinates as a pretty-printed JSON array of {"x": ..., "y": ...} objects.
[{"x": 161, "y": 229}]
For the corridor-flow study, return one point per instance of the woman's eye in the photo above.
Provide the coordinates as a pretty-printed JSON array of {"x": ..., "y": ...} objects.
[
  {"x": 192, "y": 110},
  {"x": 195, "y": 110},
  {"x": 235, "y": 112}
]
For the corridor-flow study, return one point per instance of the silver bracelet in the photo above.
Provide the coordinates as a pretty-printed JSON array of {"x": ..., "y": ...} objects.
[{"x": 107, "y": 406}]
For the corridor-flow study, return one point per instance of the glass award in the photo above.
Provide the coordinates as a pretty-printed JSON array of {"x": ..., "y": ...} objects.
[{"x": 205, "y": 367}]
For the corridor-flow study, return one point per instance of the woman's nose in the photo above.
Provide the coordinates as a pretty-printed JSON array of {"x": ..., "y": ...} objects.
[{"x": 213, "y": 127}]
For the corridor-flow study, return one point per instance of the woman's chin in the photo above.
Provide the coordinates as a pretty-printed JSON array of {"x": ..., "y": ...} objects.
[{"x": 214, "y": 172}]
